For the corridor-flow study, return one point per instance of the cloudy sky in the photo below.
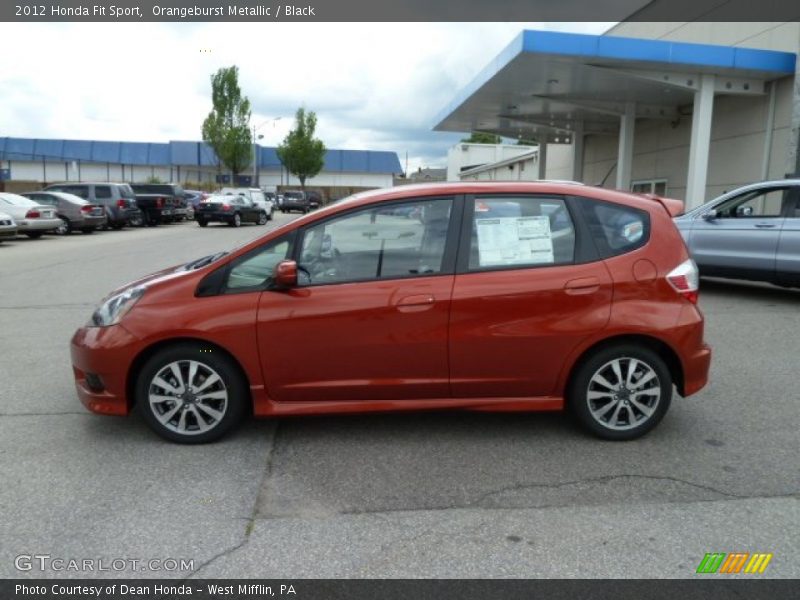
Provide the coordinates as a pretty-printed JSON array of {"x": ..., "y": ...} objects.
[{"x": 375, "y": 86}]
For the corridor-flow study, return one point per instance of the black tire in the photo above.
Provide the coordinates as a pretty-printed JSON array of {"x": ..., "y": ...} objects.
[
  {"x": 236, "y": 220},
  {"x": 202, "y": 222},
  {"x": 34, "y": 235},
  {"x": 64, "y": 229},
  {"x": 136, "y": 222},
  {"x": 232, "y": 382},
  {"x": 117, "y": 226},
  {"x": 262, "y": 218},
  {"x": 87, "y": 230},
  {"x": 648, "y": 366}
]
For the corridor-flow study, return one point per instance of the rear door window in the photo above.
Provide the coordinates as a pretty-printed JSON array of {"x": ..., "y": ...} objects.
[
  {"x": 102, "y": 191},
  {"x": 519, "y": 232},
  {"x": 615, "y": 229}
]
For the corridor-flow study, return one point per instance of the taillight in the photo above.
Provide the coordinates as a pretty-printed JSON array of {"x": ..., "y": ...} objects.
[
  {"x": 226, "y": 207},
  {"x": 685, "y": 278},
  {"x": 33, "y": 214},
  {"x": 87, "y": 208},
  {"x": 159, "y": 202},
  {"x": 121, "y": 203}
]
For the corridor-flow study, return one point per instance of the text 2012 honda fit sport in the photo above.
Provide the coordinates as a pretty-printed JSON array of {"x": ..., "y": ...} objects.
[{"x": 493, "y": 297}]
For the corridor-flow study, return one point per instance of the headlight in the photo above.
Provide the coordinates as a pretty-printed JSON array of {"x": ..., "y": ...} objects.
[{"x": 113, "y": 309}]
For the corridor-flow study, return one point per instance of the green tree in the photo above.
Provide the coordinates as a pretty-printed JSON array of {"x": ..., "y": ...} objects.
[
  {"x": 300, "y": 152},
  {"x": 227, "y": 127},
  {"x": 480, "y": 137}
]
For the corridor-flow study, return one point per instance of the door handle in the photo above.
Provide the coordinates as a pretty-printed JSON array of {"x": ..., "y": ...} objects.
[
  {"x": 415, "y": 303},
  {"x": 765, "y": 225},
  {"x": 582, "y": 285}
]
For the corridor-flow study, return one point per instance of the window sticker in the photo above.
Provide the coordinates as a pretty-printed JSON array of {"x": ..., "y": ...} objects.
[{"x": 514, "y": 241}]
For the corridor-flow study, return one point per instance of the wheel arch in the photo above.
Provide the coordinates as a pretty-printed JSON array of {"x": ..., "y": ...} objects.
[
  {"x": 145, "y": 355},
  {"x": 664, "y": 351}
]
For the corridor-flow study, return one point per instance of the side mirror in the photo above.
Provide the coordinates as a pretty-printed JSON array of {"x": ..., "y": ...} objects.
[
  {"x": 285, "y": 274},
  {"x": 710, "y": 215}
]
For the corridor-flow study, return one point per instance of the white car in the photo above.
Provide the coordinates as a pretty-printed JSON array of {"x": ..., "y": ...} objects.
[
  {"x": 33, "y": 219},
  {"x": 8, "y": 227}
]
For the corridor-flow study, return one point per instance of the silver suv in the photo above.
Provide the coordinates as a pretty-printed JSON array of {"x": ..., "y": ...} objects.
[
  {"x": 750, "y": 233},
  {"x": 117, "y": 199}
]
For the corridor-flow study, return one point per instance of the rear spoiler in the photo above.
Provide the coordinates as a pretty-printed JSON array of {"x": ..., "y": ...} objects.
[{"x": 672, "y": 206}]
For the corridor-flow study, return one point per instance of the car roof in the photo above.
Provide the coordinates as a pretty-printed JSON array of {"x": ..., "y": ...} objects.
[
  {"x": 494, "y": 187},
  {"x": 16, "y": 198},
  {"x": 63, "y": 195},
  {"x": 60, "y": 183}
]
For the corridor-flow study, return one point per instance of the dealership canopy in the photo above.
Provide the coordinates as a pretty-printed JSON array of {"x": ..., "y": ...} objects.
[{"x": 557, "y": 87}]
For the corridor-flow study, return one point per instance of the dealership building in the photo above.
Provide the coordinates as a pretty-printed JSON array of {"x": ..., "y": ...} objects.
[
  {"x": 685, "y": 109},
  {"x": 27, "y": 161}
]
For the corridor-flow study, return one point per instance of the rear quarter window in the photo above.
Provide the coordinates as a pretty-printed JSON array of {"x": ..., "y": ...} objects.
[{"x": 615, "y": 229}]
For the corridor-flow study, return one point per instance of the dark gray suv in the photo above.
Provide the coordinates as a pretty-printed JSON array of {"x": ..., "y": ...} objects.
[{"x": 117, "y": 199}]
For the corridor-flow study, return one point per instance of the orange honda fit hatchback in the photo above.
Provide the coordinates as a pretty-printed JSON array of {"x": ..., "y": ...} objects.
[{"x": 496, "y": 297}]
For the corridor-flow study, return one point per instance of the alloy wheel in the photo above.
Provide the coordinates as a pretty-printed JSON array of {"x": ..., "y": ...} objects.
[
  {"x": 188, "y": 397},
  {"x": 623, "y": 394}
]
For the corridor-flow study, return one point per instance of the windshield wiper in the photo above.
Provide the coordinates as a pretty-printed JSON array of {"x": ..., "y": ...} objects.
[{"x": 202, "y": 262}]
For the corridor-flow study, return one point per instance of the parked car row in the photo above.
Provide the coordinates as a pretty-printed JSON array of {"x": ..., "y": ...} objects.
[{"x": 64, "y": 208}]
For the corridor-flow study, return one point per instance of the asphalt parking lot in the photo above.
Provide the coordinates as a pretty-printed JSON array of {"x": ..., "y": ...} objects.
[{"x": 414, "y": 495}]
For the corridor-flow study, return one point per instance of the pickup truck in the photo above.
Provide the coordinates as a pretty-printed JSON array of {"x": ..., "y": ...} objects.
[
  {"x": 158, "y": 207},
  {"x": 173, "y": 200}
]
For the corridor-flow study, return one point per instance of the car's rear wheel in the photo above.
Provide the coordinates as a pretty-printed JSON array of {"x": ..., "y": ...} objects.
[
  {"x": 236, "y": 221},
  {"x": 621, "y": 392},
  {"x": 191, "y": 394},
  {"x": 65, "y": 228},
  {"x": 202, "y": 222}
]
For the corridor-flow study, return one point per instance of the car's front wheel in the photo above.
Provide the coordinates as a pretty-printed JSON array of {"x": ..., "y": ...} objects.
[
  {"x": 621, "y": 392},
  {"x": 262, "y": 218},
  {"x": 191, "y": 393}
]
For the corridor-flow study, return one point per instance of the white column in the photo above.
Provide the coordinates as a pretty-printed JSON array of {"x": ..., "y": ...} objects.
[
  {"x": 700, "y": 143},
  {"x": 768, "y": 130},
  {"x": 541, "y": 160},
  {"x": 577, "y": 152},
  {"x": 625, "y": 153}
]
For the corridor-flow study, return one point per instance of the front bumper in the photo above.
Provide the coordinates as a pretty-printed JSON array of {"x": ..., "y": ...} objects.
[{"x": 101, "y": 359}]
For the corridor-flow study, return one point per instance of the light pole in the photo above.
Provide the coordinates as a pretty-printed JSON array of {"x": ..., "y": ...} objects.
[{"x": 255, "y": 147}]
